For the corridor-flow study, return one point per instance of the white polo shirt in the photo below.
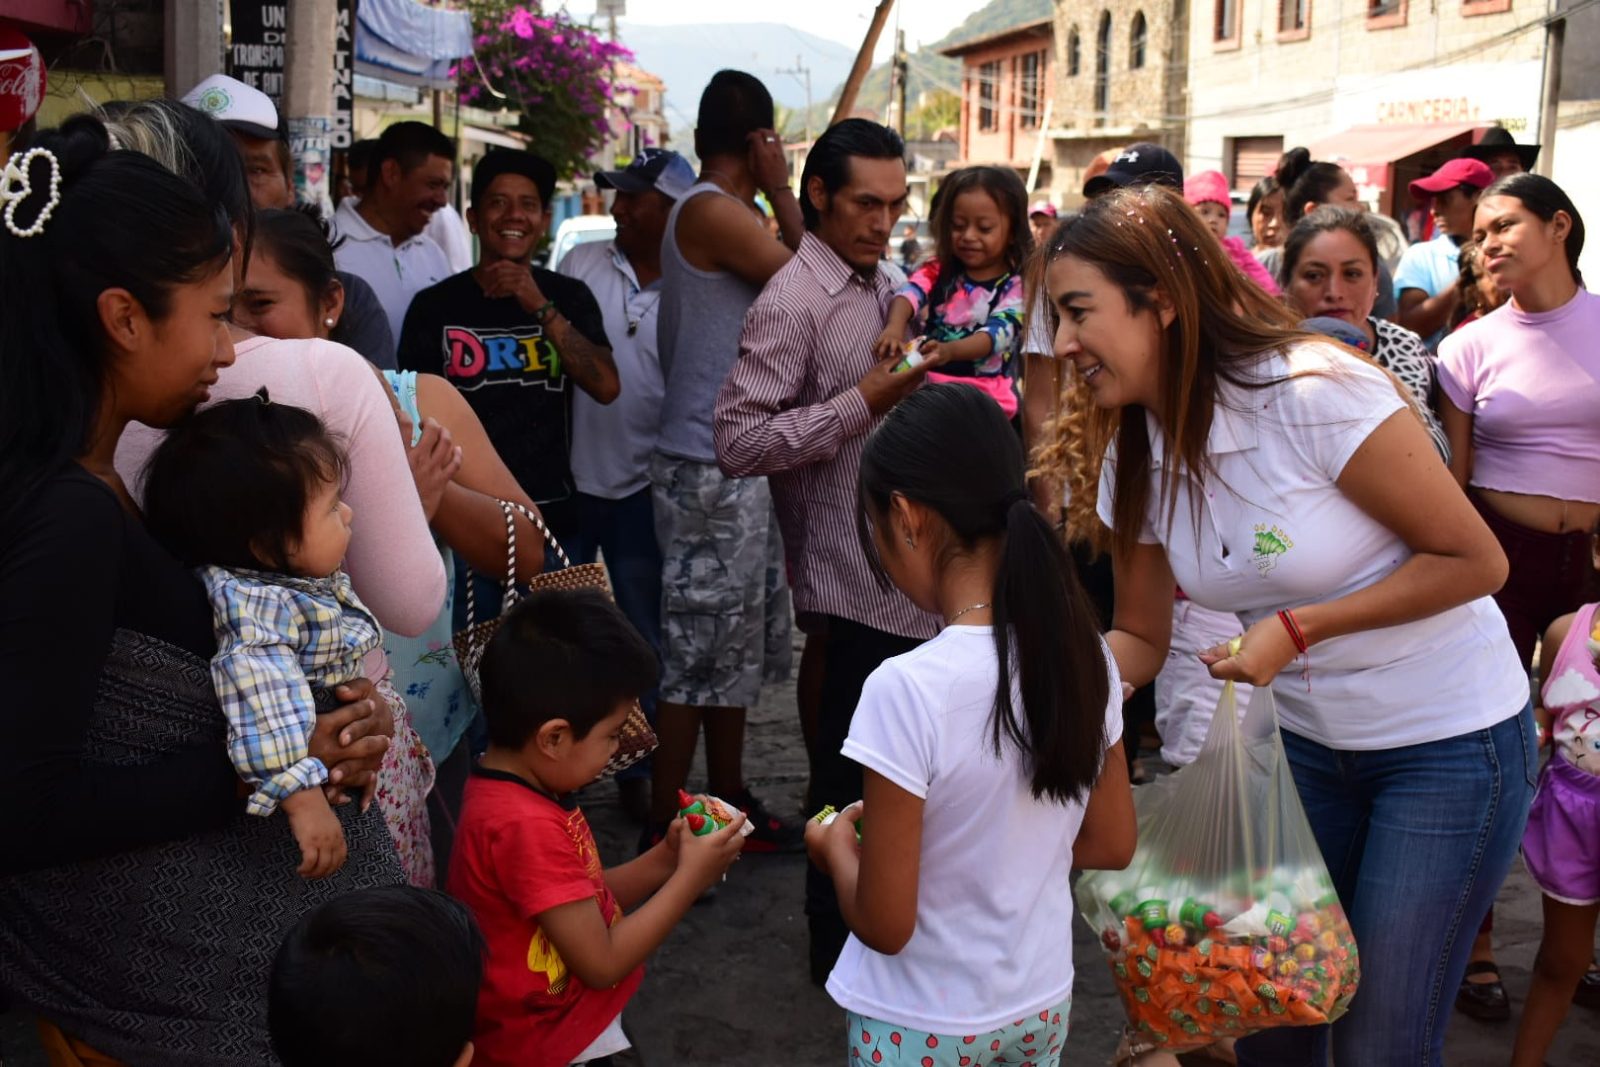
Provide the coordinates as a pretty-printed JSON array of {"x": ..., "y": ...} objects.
[
  {"x": 396, "y": 272},
  {"x": 612, "y": 443},
  {"x": 1274, "y": 531}
]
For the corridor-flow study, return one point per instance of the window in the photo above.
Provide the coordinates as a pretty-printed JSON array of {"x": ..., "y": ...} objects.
[
  {"x": 1138, "y": 37},
  {"x": 988, "y": 93},
  {"x": 1382, "y": 14},
  {"x": 1294, "y": 20},
  {"x": 1074, "y": 53},
  {"x": 1030, "y": 77},
  {"x": 1102, "y": 68},
  {"x": 1227, "y": 26}
]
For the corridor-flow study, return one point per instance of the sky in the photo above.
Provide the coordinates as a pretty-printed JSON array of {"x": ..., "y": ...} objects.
[{"x": 844, "y": 21}]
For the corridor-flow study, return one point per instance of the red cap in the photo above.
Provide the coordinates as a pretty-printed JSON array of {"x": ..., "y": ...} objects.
[{"x": 1457, "y": 172}]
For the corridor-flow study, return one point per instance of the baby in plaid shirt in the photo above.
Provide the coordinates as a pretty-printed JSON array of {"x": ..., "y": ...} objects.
[{"x": 248, "y": 490}]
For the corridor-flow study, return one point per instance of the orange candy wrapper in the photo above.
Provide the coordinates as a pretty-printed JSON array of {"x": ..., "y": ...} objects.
[{"x": 1184, "y": 984}]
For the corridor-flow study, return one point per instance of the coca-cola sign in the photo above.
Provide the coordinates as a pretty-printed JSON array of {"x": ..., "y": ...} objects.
[{"x": 21, "y": 79}]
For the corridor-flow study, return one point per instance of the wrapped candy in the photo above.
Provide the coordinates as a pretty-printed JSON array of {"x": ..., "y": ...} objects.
[
  {"x": 707, "y": 814},
  {"x": 1225, "y": 922},
  {"x": 913, "y": 356},
  {"x": 828, "y": 814}
]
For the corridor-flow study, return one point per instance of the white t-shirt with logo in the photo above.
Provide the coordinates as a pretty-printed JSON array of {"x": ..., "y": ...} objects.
[
  {"x": 1275, "y": 532},
  {"x": 993, "y": 938}
]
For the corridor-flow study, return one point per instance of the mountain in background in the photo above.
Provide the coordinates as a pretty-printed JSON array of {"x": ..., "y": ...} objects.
[{"x": 687, "y": 56}]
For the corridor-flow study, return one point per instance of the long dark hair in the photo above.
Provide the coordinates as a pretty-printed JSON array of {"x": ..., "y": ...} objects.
[
  {"x": 123, "y": 222},
  {"x": 949, "y": 448},
  {"x": 1304, "y": 182},
  {"x": 1009, "y": 195},
  {"x": 1544, "y": 198},
  {"x": 829, "y": 159},
  {"x": 1325, "y": 219}
]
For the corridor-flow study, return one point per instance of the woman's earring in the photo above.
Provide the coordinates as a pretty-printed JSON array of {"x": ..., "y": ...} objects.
[
  {"x": 328, "y": 322},
  {"x": 910, "y": 541}
]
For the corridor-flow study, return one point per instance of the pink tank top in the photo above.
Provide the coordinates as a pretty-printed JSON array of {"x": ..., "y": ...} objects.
[{"x": 1572, "y": 694}]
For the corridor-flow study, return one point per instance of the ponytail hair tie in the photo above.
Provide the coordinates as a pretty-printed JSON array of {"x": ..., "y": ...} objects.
[{"x": 16, "y": 188}]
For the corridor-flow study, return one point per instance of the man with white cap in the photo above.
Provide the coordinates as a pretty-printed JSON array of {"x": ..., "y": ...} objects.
[
  {"x": 250, "y": 116},
  {"x": 612, "y": 443}
]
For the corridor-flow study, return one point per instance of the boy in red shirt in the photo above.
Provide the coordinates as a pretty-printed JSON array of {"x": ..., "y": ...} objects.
[{"x": 558, "y": 679}]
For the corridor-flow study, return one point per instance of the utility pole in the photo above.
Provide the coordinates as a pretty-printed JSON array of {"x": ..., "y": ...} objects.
[
  {"x": 802, "y": 72},
  {"x": 902, "y": 70},
  {"x": 308, "y": 96},
  {"x": 858, "y": 71},
  {"x": 1555, "y": 39}
]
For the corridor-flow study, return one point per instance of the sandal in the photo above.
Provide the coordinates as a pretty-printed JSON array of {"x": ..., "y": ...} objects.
[
  {"x": 1483, "y": 1000},
  {"x": 1587, "y": 995}
]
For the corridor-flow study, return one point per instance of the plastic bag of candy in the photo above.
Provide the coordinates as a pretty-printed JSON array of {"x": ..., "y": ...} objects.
[{"x": 1226, "y": 921}]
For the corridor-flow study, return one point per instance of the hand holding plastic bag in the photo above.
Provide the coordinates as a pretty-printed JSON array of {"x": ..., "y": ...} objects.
[{"x": 1226, "y": 922}]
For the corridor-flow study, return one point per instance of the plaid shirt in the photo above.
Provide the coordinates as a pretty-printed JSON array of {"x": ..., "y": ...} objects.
[{"x": 280, "y": 638}]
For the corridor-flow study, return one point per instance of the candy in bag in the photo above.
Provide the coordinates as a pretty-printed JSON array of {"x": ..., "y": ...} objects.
[{"x": 1226, "y": 921}]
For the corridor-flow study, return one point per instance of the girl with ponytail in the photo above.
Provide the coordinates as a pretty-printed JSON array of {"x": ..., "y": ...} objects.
[{"x": 992, "y": 754}]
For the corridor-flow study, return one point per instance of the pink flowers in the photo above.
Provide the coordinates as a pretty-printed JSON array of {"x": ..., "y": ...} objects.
[{"x": 555, "y": 73}]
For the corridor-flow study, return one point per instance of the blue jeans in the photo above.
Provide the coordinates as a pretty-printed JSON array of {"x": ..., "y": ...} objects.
[
  {"x": 624, "y": 532},
  {"x": 1418, "y": 840}
]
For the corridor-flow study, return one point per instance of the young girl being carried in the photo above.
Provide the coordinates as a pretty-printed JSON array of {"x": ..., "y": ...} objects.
[
  {"x": 248, "y": 491},
  {"x": 967, "y": 301},
  {"x": 1561, "y": 845},
  {"x": 996, "y": 746}
]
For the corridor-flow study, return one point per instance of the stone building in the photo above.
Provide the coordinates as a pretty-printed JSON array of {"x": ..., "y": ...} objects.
[{"x": 1122, "y": 68}]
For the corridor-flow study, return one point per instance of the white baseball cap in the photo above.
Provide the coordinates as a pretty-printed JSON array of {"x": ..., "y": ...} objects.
[{"x": 236, "y": 105}]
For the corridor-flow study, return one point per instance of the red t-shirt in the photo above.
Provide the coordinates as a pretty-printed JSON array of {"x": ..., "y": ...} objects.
[{"x": 518, "y": 852}]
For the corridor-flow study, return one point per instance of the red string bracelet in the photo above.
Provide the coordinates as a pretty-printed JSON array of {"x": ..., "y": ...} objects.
[{"x": 1295, "y": 633}]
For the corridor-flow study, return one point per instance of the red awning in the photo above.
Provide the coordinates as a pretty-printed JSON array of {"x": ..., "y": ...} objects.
[
  {"x": 74, "y": 17},
  {"x": 1379, "y": 145}
]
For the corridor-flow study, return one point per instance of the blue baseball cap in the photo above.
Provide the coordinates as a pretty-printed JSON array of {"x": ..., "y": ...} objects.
[{"x": 654, "y": 168}]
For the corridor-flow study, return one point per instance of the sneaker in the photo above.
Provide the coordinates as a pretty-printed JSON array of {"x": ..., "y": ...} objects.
[{"x": 771, "y": 833}]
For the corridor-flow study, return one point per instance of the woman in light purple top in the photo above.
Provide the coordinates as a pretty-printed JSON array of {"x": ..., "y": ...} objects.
[{"x": 1520, "y": 404}]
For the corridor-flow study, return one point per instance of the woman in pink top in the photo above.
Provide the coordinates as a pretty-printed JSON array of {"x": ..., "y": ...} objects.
[
  {"x": 1522, "y": 403},
  {"x": 1521, "y": 407}
]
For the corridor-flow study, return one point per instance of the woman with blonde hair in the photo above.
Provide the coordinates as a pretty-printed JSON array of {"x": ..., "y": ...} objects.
[{"x": 1273, "y": 474}]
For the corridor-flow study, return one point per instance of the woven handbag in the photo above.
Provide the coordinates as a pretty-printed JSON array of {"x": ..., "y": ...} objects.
[{"x": 637, "y": 739}]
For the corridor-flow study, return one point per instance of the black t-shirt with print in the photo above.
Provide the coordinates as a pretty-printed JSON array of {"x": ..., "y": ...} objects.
[{"x": 500, "y": 359}]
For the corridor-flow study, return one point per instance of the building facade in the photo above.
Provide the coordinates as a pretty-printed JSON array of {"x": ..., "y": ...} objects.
[
  {"x": 1387, "y": 88},
  {"x": 1008, "y": 84},
  {"x": 1123, "y": 70}
]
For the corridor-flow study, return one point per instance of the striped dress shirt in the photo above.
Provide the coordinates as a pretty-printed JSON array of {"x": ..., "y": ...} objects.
[{"x": 790, "y": 410}]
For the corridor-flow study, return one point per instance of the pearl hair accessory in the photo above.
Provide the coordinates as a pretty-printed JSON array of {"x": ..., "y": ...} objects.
[{"x": 16, "y": 186}]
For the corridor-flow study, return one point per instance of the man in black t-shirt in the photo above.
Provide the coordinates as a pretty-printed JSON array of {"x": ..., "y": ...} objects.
[{"x": 513, "y": 337}]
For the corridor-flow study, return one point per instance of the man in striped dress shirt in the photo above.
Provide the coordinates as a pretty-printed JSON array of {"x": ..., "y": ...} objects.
[{"x": 797, "y": 407}]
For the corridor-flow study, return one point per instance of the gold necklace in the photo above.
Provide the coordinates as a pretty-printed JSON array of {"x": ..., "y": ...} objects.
[{"x": 951, "y": 621}]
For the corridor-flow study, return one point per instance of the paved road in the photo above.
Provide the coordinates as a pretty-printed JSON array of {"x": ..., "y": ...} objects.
[{"x": 730, "y": 989}]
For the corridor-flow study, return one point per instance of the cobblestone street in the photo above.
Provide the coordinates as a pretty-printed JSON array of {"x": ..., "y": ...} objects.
[{"x": 729, "y": 989}]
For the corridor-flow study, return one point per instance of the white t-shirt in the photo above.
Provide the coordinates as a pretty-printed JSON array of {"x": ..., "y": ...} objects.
[
  {"x": 612, "y": 443},
  {"x": 1276, "y": 532},
  {"x": 993, "y": 939},
  {"x": 396, "y": 273}
]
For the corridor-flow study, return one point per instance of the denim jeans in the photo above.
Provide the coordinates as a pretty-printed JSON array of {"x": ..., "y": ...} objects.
[
  {"x": 624, "y": 532},
  {"x": 1418, "y": 840}
]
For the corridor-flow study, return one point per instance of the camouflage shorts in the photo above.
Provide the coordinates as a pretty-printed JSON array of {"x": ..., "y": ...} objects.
[{"x": 725, "y": 604}]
